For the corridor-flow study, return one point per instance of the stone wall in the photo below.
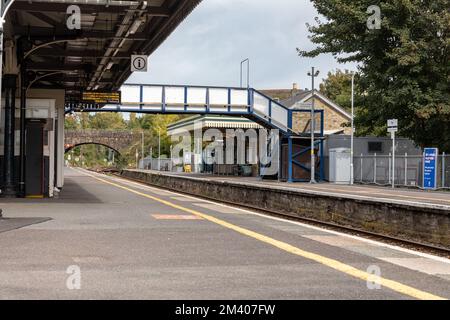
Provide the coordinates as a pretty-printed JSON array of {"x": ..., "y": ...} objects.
[
  {"x": 427, "y": 224},
  {"x": 333, "y": 119},
  {"x": 118, "y": 140}
]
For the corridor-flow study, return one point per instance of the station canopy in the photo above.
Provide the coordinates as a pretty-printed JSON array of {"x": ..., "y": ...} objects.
[{"x": 95, "y": 57}]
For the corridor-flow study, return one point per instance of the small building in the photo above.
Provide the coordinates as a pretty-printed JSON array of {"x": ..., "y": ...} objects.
[{"x": 200, "y": 160}]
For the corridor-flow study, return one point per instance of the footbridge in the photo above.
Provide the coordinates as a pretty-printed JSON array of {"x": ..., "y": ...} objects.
[{"x": 230, "y": 101}]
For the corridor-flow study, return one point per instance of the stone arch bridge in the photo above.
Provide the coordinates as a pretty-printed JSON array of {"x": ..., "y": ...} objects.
[{"x": 118, "y": 140}]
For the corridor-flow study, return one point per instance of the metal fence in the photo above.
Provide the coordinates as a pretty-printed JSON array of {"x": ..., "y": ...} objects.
[
  {"x": 368, "y": 169},
  {"x": 408, "y": 171},
  {"x": 163, "y": 164}
]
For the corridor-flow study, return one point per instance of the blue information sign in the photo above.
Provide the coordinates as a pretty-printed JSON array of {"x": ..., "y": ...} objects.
[{"x": 430, "y": 168}]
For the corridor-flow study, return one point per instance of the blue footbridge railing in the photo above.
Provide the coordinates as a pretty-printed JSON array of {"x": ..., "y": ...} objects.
[{"x": 230, "y": 101}]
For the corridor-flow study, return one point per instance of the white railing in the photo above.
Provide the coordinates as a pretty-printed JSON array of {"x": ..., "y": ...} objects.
[{"x": 195, "y": 99}]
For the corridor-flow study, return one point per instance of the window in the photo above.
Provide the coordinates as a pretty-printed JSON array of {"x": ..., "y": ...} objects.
[{"x": 375, "y": 147}]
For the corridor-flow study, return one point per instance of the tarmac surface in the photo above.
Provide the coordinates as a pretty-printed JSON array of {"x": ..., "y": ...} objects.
[{"x": 109, "y": 238}]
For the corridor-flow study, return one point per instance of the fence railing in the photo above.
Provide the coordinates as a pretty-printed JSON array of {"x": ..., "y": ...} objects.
[
  {"x": 163, "y": 164},
  {"x": 368, "y": 169},
  {"x": 408, "y": 171}
]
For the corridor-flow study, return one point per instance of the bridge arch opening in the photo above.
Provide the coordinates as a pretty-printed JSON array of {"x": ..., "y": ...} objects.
[{"x": 107, "y": 157}]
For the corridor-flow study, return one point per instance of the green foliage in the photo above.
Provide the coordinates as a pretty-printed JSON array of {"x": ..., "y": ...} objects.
[
  {"x": 338, "y": 87},
  {"x": 71, "y": 122},
  {"x": 106, "y": 121},
  {"x": 404, "y": 66},
  {"x": 91, "y": 156},
  {"x": 94, "y": 156}
]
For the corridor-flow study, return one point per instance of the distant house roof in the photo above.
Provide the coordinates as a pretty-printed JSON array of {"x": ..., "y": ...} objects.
[
  {"x": 296, "y": 101},
  {"x": 282, "y": 94}
]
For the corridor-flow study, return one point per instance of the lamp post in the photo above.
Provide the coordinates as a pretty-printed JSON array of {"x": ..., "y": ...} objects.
[
  {"x": 171, "y": 158},
  {"x": 248, "y": 72},
  {"x": 159, "y": 150},
  {"x": 313, "y": 74},
  {"x": 151, "y": 158},
  {"x": 352, "y": 178},
  {"x": 142, "y": 148},
  {"x": 137, "y": 158}
]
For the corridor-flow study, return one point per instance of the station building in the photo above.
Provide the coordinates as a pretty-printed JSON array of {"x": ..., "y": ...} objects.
[{"x": 54, "y": 52}]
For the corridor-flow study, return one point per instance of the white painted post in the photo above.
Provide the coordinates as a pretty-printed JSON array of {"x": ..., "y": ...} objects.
[
  {"x": 151, "y": 158},
  {"x": 171, "y": 158},
  {"x": 142, "y": 149},
  {"x": 406, "y": 169},
  {"x": 361, "y": 167},
  {"x": 375, "y": 168},
  {"x": 393, "y": 160},
  {"x": 137, "y": 159},
  {"x": 159, "y": 150},
  {"x": 443, "y": 170},
  {"x": 392, "y": 126},
  {"x": 352, "y": 147},
  {"x": 422, "y": 165},
  {"x": 389, "y": 170}
]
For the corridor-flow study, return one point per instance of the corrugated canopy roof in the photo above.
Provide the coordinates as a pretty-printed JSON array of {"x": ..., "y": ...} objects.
[{"x": 97, "y": 56}]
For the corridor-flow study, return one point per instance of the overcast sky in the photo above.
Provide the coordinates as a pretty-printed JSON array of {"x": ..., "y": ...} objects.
[{"x": 206, "y": 49}]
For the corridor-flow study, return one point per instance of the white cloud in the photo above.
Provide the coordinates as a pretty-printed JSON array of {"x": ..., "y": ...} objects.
[{"x": 208, "y": 47}]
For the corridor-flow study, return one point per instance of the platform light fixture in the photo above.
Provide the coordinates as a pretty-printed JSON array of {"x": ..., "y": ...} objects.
[{"x": 136, "y": 24}]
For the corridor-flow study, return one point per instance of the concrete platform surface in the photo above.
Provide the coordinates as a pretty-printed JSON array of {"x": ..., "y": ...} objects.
[{"x": 130, "y": 241}]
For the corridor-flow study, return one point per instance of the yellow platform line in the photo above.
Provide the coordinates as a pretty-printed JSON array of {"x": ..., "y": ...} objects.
[
  {"x": 334, "y": 264},
  {"x": 36, "y": 196}
]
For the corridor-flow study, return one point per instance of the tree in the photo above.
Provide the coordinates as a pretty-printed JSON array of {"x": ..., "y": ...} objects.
[
  {"x": 404, "y": 65},
  {"x": 72, "y": 122},
  {"x": 338, "y": 87},
  {"x": 150, "y": 124},
  {"x": 106, "y": 121}
]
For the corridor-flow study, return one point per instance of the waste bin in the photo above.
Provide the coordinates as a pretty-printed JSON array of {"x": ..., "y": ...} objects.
[{"x": 339, "y": 165}]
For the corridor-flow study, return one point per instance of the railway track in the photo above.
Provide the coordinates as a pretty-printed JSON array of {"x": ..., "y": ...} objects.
[{"x": 401, "y": 242}]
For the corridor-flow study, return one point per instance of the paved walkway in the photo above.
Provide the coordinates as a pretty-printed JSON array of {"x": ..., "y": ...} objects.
[{"x": 132, "y": 241}]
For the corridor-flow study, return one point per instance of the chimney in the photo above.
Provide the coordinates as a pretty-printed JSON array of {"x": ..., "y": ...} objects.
[{"x": 294, "y": 89}]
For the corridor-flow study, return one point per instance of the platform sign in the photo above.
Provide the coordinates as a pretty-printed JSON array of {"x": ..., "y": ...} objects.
[
  {"x": 187, "y": 158},
  {"x": 98, "y": 98},
  {"x": 430, "y": 158},
  {"x": 392, "y": 125},
  {"x": 139, "y": 63},
  {"x": 304, "y": 105}
]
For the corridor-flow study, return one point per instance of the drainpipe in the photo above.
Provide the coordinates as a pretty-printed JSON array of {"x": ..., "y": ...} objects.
[{"x": 23, "y": 103}]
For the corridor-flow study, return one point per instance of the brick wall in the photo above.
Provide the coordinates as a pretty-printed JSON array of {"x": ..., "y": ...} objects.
[{"x": 333, "y": 119}]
